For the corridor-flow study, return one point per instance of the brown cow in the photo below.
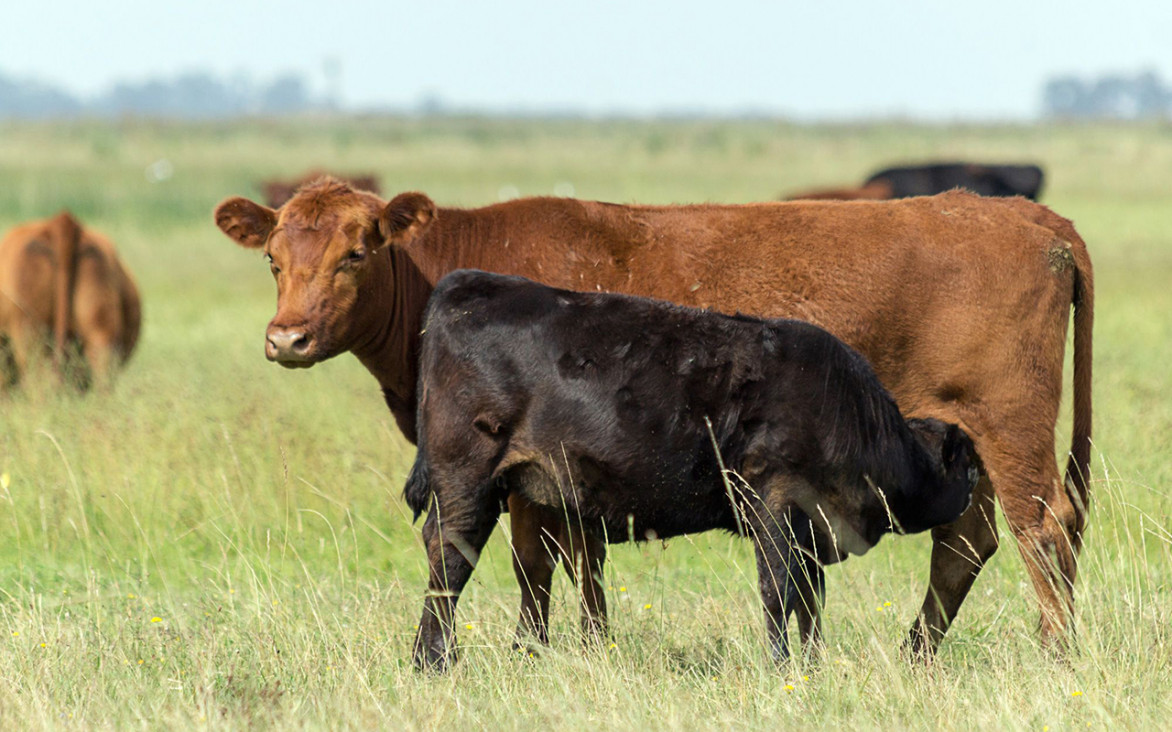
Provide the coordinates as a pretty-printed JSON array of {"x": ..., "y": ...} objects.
[
  {"x": 961, "y": 304},
  {"x": 277, "y": 191},
  {"x": 874, "y": 191},
  {"x": 63, "y": 288}
]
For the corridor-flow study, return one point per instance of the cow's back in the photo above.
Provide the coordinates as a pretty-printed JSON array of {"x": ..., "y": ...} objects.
[
  {"x": 936, "y": 292},
  {"x": 27, "y": 266},
  {"x": 928, "y": 281},
  {"x": 106, "y": 304}
]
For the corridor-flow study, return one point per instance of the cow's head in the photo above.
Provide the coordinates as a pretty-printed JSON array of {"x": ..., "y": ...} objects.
[
  {"x": 322, "y": 246},
  {"x": 848, "y": 518},
  {"x": 953, "y": 471}
]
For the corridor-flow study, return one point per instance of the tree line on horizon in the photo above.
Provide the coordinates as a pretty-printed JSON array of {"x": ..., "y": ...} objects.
[
  {"x": 192, "y": 95},
  {"x": 201, "y": 95},
  {"x": 1143, "y": 95}
]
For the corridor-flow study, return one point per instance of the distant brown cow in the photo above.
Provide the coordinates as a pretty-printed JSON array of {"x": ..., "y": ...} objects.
[
  {"x": 929, "y": 179},
  {"x": 875, "y": 191},
  {"x": 960, "y": 303},
  {"x": 64, "y": 291},
  {"x": 277, "y": 191}
]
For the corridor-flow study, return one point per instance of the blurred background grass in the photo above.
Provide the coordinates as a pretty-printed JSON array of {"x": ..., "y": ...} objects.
[{"x": 221, "y": 542}]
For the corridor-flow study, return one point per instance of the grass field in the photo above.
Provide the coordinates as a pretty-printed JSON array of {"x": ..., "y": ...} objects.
[{"x": 221, "y": 543}]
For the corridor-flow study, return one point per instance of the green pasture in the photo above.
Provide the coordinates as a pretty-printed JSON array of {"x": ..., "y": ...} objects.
[{"x": 221, "y": 543}]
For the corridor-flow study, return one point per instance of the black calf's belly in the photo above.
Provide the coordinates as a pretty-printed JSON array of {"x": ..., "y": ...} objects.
[{"x": 626, "y": 510}]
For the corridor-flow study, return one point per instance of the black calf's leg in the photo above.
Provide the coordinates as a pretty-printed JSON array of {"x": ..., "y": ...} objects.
[
  {"x": 778, "y": 571},
  {"x": 584, "y": 556},
  {"x": 454, "y": 539},
  {"x": 534, "y": 560},
  {"x": 809, "y": 580},
  {"x": 811, "y": 594}
]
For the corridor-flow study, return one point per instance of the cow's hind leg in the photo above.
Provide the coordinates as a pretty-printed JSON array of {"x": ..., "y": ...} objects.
[
  {"x": 1047, "y": 525},
  {"x": 584, "y": 555},
  {"x": 1043, "y": 520},
  {"x": 455, "y": 533},
  {"x": 534, "y": 557},
  {"x": 959, "y": 552}
]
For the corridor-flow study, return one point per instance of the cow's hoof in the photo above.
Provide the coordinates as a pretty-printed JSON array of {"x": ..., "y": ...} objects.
[
  {"x": 527, "y": 647},
  {"x": 918, "y": 648},
  {"x": 433, "y": 660}
]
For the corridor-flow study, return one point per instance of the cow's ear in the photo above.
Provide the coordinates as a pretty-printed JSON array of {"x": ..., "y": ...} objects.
[
  {"x": 246, "y": 223},
  {"x": 405, "y": 217},
  {"x": 956, "y": 443}
]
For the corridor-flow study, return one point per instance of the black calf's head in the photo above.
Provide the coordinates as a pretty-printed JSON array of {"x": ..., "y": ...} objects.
[{"x": 953, "y": 472}]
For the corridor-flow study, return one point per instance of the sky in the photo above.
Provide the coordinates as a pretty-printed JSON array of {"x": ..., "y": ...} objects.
[{"x": 820, "y": 59}]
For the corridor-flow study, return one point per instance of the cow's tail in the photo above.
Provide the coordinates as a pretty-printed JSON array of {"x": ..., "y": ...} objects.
[
  {"x": 1079, "y": 464},
  {"x": 417, "y": 491},
  {"x": 66, "y": 235}
]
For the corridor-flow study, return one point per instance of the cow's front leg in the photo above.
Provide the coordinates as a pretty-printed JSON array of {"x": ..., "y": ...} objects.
[
  {"x": 455, "y": 533},
  {"x": 778, "y": 567},
  {"x": 810, "y": 595}
]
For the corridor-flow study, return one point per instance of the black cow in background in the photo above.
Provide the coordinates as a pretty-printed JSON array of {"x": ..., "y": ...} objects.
[
  {"x": 985, "y": 180},
  {"x": 642, "y": 419}
]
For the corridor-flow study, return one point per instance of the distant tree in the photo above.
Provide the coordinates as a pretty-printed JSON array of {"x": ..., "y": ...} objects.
[
  {"x": 30, "y": 99},
  {"x": 1065, "y": 96},
  {"x": 1114, "y": 96},
  {"x": 196, "y": 94},
  {"x": 1152, "y": 98},
  {"x": 287, "y": 94}
]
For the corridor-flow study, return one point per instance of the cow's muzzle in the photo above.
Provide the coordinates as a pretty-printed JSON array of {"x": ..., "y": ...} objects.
[{"x": 290, "y": 347}]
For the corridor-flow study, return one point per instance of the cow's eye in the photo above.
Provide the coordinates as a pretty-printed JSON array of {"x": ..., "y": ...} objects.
[
  {"x": 269, "y": 259},
  {"x": 356, "y": 255}
]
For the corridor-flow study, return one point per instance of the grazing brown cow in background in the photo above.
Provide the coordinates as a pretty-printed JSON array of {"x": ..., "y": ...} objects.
[
  {"x": 626, "y": 412},
  {"x": 961, "y": 304},
  {"x": 64, "y": 290},
  {"x": 878, "y": 191},
  {"x": 277, "y": 191},
  {"x": 930, "y": 179}
]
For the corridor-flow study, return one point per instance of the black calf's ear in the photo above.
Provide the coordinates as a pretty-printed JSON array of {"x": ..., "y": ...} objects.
[
  {"x": 246, "y": 223},
  {"x": 956, "y": 443},
  {"x": 405, "y": 217}
]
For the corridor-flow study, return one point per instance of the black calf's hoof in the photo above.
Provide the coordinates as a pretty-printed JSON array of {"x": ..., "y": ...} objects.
[
  {"x": 434, "y": 660},
  {"x": 527, "y": 648},
  {"x": 918, "y": 648}
]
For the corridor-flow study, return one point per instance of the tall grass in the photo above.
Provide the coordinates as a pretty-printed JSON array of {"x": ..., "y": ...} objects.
[{"x": 221, "y": 543}]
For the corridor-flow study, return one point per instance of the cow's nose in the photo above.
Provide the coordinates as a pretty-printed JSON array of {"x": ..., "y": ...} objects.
[{"x": 288, "y": 344}]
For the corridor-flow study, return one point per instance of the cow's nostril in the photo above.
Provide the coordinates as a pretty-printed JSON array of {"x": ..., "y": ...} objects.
[{"x": 301, "y": 344}]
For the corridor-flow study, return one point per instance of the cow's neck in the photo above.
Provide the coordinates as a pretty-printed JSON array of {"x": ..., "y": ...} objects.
[
  {"x": 397, "y": 291},
  {"x": 387, "y": 343}
]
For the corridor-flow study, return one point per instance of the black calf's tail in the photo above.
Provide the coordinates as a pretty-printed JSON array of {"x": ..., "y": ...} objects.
[{"x": 417, "y": 492}]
